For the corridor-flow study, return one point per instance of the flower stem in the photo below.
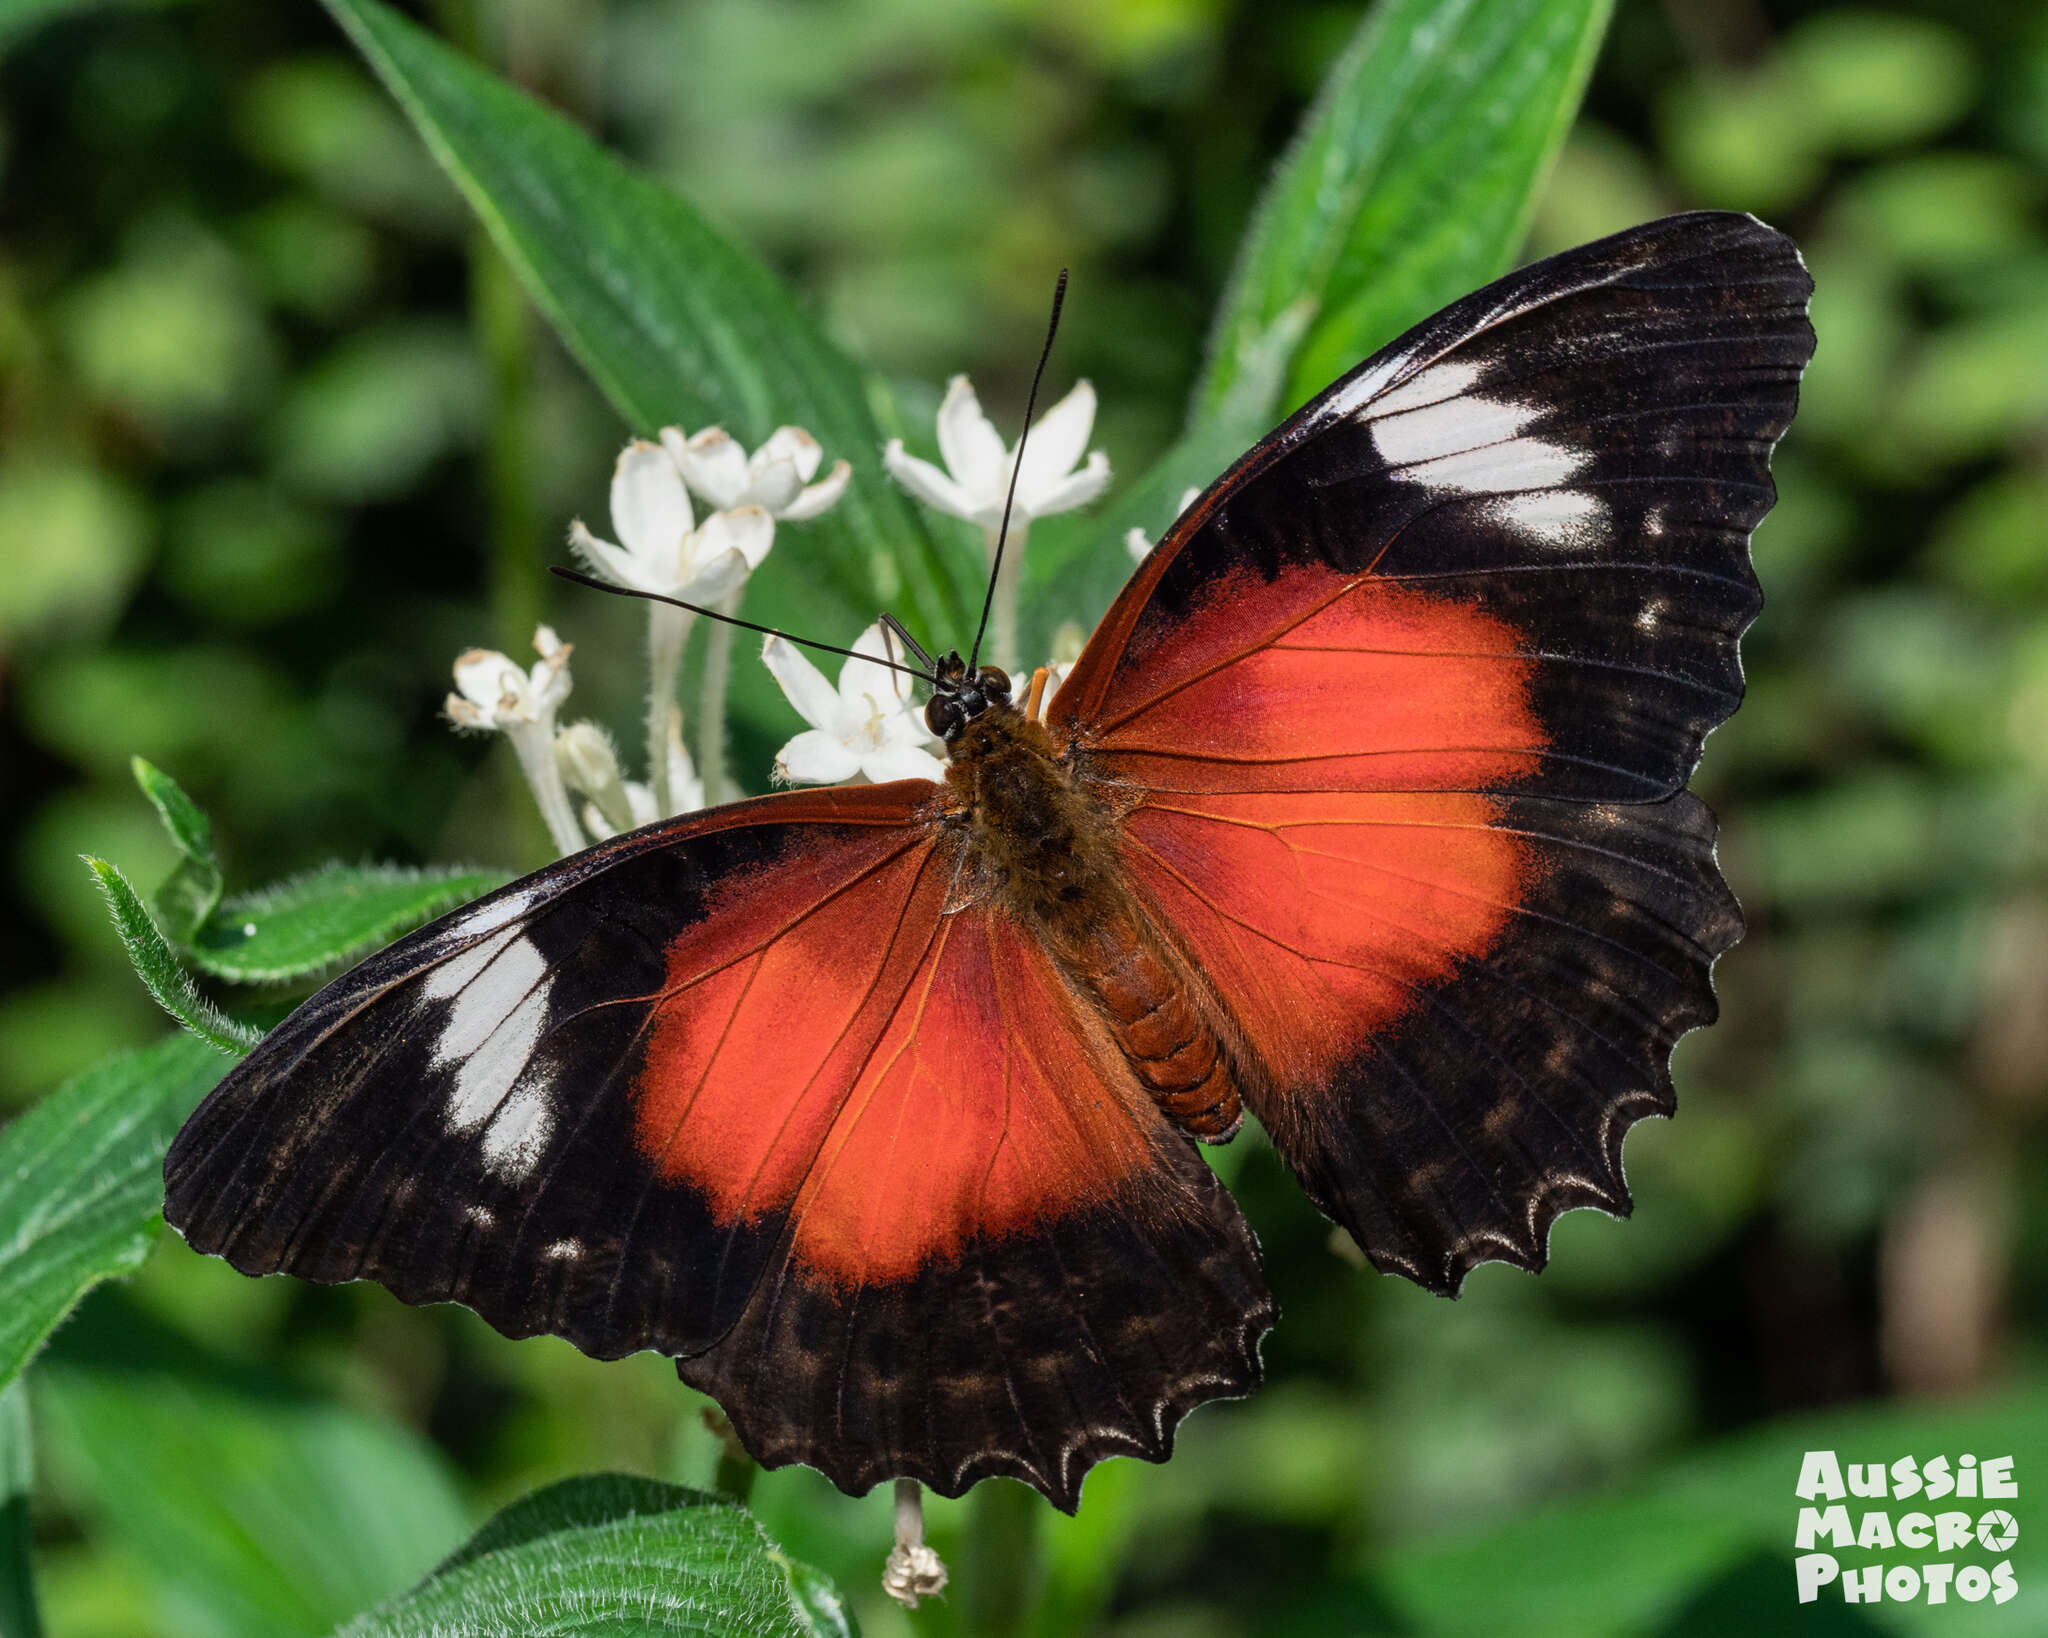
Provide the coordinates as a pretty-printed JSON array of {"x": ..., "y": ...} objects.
[
  {"x": 711, "y": 705},
  {"x": 534, "y": 744},
  {"x": 666, "y": 629},
  {"x": 1002, "y": 622}
]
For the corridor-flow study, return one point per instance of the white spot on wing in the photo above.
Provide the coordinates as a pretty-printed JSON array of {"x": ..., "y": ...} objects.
[
  {"x": 446, "y": 979},
  {"x": 499, "y": 987},
  {"x": 1431, "y": 431},
  {"x": 1431, "y": 386},
  {"x": 562, "y": 1251},
  {"x": 519, "y": 1132},
  {"x": 1566, "y": 516},
  {"x": 1517, "y": 463},
  {"x": 495, "y": 915},
  {"x": 500, "y": 993},
  {"x": 1455, "y": 429}
]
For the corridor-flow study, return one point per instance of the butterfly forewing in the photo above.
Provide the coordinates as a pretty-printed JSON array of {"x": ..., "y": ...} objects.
[{"x": 1404, "y": 701}]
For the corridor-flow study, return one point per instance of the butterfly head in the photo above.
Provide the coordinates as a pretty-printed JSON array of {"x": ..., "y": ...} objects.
[{"x": 959, "y": 695}]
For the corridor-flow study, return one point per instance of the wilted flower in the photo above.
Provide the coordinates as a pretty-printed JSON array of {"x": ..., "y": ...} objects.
[
  {"x": 977, "y": 476},
  {"x": 776, "y": 478},
  {"x": 868, "y": 726},
  {"x": 494, "y": 694}
]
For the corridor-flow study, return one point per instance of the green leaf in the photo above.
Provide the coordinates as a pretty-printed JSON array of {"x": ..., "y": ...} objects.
[
  {"x": 81, "y": 1183},
  {"x": 265, "y": 1510},
  {"x": 158, "y": 967},
  {"x": 607, "y": 1554},
  {"x": 1628, "y": 1563},
  {"x": 190, "y": 892},
  {"x": 18, "y": 1617},
  {"x": 327, "y": 917},
  {"x": 1411, "y": 183},
  {"x": 674, "y": 322}
]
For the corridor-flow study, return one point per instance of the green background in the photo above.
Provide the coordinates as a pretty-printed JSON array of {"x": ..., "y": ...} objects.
[{"x": 278, "y": 437}]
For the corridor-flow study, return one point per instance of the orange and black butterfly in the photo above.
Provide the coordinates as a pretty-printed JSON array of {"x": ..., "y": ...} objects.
[{"x": 1364, "y": 809}]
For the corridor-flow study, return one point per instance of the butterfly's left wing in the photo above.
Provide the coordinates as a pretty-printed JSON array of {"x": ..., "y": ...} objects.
[
  {"x": 742, "y": 1089},
  {"x": 1404, "y": 707}
]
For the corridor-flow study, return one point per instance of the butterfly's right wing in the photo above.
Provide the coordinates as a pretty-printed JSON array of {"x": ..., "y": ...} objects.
[
  {"x": 1402, "y": 711},
  {"x": 736, "y": 1088}
]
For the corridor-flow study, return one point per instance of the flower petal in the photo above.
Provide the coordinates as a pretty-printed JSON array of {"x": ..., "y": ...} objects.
[
  {"x": 650, "y": 509},
  {"x": 748, "y": 530},
  {"x": 815, "y": 757},
  {"x": 1057, "y": 441},
  {"x": 972, "y": 448},
  {"x": 901, "y": 762},
  {"x": 820, "y": 495},
  {"x": 1075, "y": 489},
  {"x": 794, "y": 445},
  {"x": 609, "y": 562},
  {"x": 802, "y": 683},
  {"x": 485, "y": 677},
  {"x": 1138, "y": 544},
  {"x": 862, "y": 679},
  {"x": 712, "y": 463},
  {"x": 772, "y": 485},
  {"x": 927, "y": 482}
]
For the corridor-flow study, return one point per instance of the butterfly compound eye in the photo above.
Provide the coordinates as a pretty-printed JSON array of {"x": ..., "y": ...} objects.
[
  {"x": 945, "y": 716},
  {"x": 995, "y": 683}
]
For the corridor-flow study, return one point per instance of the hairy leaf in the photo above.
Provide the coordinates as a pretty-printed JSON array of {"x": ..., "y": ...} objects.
[
  {"x": 1411, "y": 182},
  {"x": 158, "y": 967},
  {"x": 81, "y": 1183},
  {"x": 188, "y": 895},
  {"x": 325, "y": 918},
  {"x": 613, "y": 1554}
]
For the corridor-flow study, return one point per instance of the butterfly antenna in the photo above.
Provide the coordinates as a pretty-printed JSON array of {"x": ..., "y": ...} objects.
[
  {"x": 1059, "y": 295},
  {"x": 595, "y": 584},
  {"x": 890, "y": 623}
]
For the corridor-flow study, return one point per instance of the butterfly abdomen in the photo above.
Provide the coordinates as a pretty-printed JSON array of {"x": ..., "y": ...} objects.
[{"x": 1046, "y": 850}]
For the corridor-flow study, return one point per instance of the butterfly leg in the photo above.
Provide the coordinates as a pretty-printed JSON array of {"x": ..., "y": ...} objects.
[{"x": 1035, "y": 700}]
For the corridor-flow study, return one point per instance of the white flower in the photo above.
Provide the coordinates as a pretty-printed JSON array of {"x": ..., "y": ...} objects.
[
  {"x": 977, "y": 476},
  {"x": 1139, "y": 545},
  {"x": 494, "y": 694},
  {"x": 662, "y": 549},
  {"x": 867, "y": 726},
  {"x": 777, "y": 478}
]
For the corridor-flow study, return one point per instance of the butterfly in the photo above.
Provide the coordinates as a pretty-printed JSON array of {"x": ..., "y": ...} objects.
[{"x": 1363, "y": 810}]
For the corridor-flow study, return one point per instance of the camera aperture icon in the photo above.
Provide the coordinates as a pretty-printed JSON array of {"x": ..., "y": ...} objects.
[{"x": 1997, "y": 1530}]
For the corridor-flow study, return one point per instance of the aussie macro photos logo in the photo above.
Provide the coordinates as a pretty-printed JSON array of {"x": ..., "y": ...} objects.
[{"x": 1922, "y": 1550}]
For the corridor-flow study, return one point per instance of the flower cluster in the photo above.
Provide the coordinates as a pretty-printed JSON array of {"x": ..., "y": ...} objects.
[
  {"x": 868, "y": 727},
  {"x": 662, "y": 549}
]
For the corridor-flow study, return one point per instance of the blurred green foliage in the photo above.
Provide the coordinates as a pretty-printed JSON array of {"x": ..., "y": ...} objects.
[{"x": 254, "y": 403}]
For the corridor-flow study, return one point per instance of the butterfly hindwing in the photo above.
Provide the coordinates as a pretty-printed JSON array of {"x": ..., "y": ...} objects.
[
  {"x": 740, "y": 1090},
  {"x": 1406, "y": 702},
  {"x": 1000, "y": 1261}
]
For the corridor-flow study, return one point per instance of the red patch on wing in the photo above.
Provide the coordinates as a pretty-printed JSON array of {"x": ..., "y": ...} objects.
[
  {"x": 981, "y": 1112},
  {"x": 1314, "y": 749},
  {"x": 1321, "y": 918},
  {"x": 1315, "y": 681},
  {"x": 773, "y": 1003},
  {"x": 899, "y": 1080}
]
